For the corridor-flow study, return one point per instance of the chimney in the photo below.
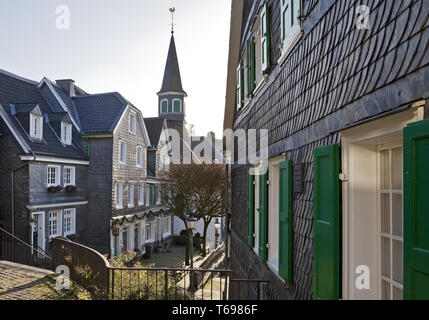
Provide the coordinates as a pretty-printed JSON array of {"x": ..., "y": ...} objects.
[{"x": 67, "y": 85}]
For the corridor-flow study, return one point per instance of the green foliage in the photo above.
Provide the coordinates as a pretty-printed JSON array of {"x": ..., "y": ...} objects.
[{"x": 137, "y": 284}]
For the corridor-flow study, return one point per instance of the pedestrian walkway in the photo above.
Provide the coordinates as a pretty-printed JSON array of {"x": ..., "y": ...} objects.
[{"x": 19, "y": 282}]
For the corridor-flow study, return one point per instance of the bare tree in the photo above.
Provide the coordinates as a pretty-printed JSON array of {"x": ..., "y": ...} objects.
[{"x": 194, "y": 189}]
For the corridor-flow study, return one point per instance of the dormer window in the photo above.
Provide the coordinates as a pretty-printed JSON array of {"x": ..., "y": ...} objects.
[
  {"x": 36, "y": 126},
  {"x": 66, "y": 133}
]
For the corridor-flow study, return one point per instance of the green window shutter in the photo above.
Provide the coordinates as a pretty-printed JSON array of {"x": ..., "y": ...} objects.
[
  {"x": 248, "y": 67},
  {"x": 176, "y": 107},
  {"x": 252, "y": 65},
  {"x": 250, "y": 209},
  {"x": 285, "y": 220},
  {"x": 266, "y": 38},
  {"x": 263, "y": 216},
  {"x": 416, "y": 211},
  {"x": 151, "y": 195},
  {"x": 164, "y": 106},
  {"x": 326, "y": 270}
]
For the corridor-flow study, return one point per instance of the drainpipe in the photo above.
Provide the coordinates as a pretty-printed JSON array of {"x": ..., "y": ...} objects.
[
  {"x": 227, "y": 217},
  {"x": 13, "y": 190}
]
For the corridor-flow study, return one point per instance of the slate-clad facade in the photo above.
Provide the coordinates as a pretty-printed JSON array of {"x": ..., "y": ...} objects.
[
  {"x": 335, "y": 85},
  {"x": 61, "y": 146}
]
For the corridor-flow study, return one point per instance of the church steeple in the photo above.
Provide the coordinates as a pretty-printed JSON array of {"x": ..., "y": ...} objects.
[
  {"x": 172, "y": 96},
  {"x": 172, "y": 81}
]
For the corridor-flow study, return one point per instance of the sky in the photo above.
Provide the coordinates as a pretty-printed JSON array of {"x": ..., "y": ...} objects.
[{"x": 122, "y": 45}]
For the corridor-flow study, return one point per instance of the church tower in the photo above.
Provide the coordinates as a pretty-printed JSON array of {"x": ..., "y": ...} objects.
[{"x": 171, "y": 97}]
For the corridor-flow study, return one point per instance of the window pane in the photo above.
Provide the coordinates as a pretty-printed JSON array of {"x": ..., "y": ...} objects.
[
  {"x": 385, "y": 290},
  {"x": 397, "y": 262},
  {"x": 385, "y": 170},
  {"x": 397, "y": 294},
  {"x": 385, "y": 213},
  {"x": 385, "y": 257},
  {"x": 397, "y": 215},
  {"x": 397, "y": 169},
  {"x": 176, "y": 106}
]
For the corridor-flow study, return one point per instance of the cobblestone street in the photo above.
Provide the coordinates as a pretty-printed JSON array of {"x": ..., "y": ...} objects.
[{"x": 19, "y": 282}]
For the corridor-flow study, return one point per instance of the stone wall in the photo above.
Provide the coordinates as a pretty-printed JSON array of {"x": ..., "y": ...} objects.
[{"x": 335, "y": 76}]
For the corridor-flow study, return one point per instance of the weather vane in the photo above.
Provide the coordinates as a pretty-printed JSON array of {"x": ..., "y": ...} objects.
[{"x": 172, "y": 10}]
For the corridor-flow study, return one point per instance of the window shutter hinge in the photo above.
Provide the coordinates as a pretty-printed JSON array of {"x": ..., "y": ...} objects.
[
  {"x": 343, "y": 177},
  {"x": 268, "y": 245}
]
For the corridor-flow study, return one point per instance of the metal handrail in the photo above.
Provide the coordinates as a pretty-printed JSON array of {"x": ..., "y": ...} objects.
[
  {"x": 171, "y": 269},
  {"x": 36, "y": 249}
]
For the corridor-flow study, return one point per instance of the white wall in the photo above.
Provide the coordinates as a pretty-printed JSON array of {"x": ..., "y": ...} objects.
[{"x": 179, "y": 225}]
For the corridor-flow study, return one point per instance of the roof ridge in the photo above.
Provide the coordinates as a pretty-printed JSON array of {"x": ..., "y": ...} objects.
[{"x": 13, "y": 75}]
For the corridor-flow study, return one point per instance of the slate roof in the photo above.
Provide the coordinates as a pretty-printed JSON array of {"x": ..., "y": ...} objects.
[
  {"x": 99, "y": 113},
  {"x": 172, "y": 81},
  {"x": 154, "y": 128},
  {"x": 26, "y": 95}
]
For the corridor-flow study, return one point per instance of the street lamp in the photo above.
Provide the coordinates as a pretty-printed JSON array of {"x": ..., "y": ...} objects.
[
  {"x": 217, "y": 234},
  {"x": 191, "y": 223}
]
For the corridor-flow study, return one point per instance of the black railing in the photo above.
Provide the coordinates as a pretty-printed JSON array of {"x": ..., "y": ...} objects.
[
  {"x": 249, "y": 289},
  {"x": 16, "y": 250},
  {"x": 168, "y": 284}
]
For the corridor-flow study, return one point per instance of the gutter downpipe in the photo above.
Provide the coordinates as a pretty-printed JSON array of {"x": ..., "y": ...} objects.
[{"x": 13, "y": 189}]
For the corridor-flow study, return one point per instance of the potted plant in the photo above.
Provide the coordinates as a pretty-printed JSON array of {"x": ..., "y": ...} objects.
[
  {"x": 70, "y": 189},
  {"x": 53, "y": 189}
]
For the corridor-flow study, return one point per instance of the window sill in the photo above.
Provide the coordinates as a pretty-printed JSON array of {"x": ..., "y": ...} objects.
[
  {"x": 130, "y": 206},
  {"x": 119, "y": 208},
  {"x": 66, "y": 234},
  {"x": 260, "y": 85},
  {"x": 289, "y": 49}
]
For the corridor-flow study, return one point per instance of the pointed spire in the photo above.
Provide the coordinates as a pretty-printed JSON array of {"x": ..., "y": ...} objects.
[{"x": 172, "y": 81}]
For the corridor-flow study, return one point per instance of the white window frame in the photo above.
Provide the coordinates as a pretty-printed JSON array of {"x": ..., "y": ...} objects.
[
  {"x": 273, "y": 212},
  {"x": 139, "y": 157},
  {"x": 66, "y": 133},
  {"x": 57, "y": 176},
  {"x": 147, "y": 195},
  {"x": 59, "y": 223},
  {"x": 239, "y": 76},
  {"x": 131, "y": 190},
  {"x": 289, "y": 34},
  {"x": 119, "y": 196},
  {"x": 256, "y": 211},
  {"x": 180, "y": 104},
  {"x": 72, "y": 213},
  {"x": 141, "y": 195},
  {"x": 166, "y": 222},
  {"x": 122, "y": 248},
  {"x": 122, "y": 152},
  {"x": 72, "y": 176},
  {"x": 36, "y": 126},
  {"x": 152, "y": 231},
  {"x": 359, "y": 170},
  {"x": 133, "y": 123}
]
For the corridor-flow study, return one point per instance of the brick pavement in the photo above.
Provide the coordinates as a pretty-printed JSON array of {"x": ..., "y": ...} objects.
[{"x": 18, "y": 282}]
